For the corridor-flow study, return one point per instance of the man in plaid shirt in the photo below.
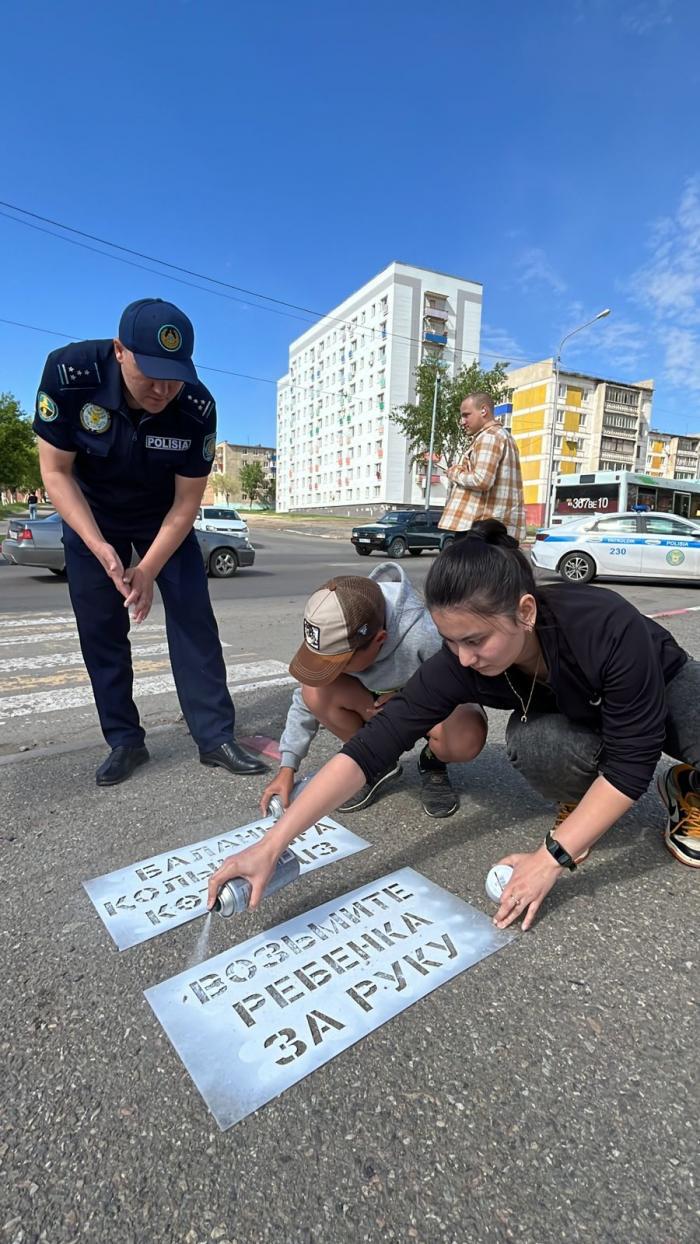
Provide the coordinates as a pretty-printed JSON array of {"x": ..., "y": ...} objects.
[{"x": 487, "y": 483}]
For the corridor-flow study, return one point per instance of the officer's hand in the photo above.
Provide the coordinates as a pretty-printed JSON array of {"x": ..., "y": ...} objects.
[
  {"x": 281, "y": 785},
  {"x": 111, "y": 564},
  {"x": 256, "y": 864},
  {"x": 140, "y": 592}
]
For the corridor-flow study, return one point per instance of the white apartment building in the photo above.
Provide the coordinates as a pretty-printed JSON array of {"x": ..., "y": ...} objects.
[{"x": 336, "y": 445}]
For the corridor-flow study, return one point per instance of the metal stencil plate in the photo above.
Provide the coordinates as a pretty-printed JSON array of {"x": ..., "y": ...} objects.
[
  {"x": 159, "y": 893},
  {"x": 256, "y": 1019}
]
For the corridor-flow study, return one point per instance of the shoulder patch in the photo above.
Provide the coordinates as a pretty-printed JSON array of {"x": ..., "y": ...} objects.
[
  {"x": 46, "y": 408},
  {"x": 81, "y": 375},
  {"x": 95, "y": 418},
  {"x": 209, "y": 447}
]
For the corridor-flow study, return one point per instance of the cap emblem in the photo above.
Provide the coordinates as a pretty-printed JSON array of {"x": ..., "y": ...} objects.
[
  {"x": 95, "y": 418},
  {"x": 312, "y": 635},
  {"x": 169, "y": 337}
]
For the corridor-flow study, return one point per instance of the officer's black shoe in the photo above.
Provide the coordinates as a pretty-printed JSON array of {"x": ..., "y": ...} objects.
[
  {"x": 120, "y": 765},
  {"x": 232, "y": 757}
]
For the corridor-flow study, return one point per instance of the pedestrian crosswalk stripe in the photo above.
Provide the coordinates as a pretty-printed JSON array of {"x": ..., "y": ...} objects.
[
  {"x": 244, "y": 677},
  {"x": 45, "y": 637},
  {"x": 53, "y": 660}
]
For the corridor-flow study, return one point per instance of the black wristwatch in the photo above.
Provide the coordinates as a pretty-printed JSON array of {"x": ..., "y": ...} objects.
[{"x": 559, "y": 853}]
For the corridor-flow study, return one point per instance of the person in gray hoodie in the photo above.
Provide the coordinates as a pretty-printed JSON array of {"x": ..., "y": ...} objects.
[{"x": 363, "y": 639}]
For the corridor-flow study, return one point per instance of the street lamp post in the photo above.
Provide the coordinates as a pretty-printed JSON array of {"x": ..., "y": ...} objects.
[
  {"x": 550, "y": 456},
  {"x": 432, "y": 439}
]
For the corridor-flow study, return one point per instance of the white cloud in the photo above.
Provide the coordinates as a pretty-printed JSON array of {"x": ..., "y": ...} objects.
[
  {"x": 669, "y": 287},
  {"x": 637, "y": 18},
  {"x": 533, "y": 269},
  {"x": 617, "y": 344},
  {"x": 647, "y": 15},
  {"x": 497, "y": 343}
]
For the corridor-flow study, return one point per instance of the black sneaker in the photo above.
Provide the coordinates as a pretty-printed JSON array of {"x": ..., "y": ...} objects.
[
  {"x": 368, "y": 793},
  {"x": 437, "y": 796}
]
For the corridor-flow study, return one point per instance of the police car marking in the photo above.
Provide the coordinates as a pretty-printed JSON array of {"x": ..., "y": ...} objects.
[
  {"x": 95, "y": 418},
  {"x": 209, "y": 447},
  {"x": 675, "y": 557},
  {"x": 46, "y": 408},
  {"x": 167, "y": 442},
  {"x": 169, "y": 337}
]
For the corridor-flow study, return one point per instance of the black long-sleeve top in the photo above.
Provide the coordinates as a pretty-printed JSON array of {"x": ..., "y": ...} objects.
[{"x": 608, "y": 669}]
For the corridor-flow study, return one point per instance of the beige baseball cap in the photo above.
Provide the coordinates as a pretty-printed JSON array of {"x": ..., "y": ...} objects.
[{"x": 339, "y": 618}]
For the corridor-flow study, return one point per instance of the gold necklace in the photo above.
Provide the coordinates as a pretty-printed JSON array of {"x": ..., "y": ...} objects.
[{"x": 525, "y": 707}]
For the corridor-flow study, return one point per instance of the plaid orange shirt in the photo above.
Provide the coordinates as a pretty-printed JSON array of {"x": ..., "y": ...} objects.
[{"x": 487, "y": 483}]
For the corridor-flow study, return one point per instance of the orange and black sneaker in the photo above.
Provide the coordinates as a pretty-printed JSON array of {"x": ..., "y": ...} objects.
[
  {"x": 564, "y": 810},
  {"x": 682, "y": 832}
]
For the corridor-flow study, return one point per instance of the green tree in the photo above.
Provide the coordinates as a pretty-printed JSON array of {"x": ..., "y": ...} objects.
[
  {"x": 226, "y": 484},
  {"x": 451, "y": 440},
  {"x": 19, "y": 460},
  {"x": 252, "y": 479},
  {"x": 268, "y": 495}
]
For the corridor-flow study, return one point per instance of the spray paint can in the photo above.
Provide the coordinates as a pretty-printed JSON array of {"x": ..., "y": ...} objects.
[
  {"x": 234, "y": 896},
  {"x": 496, "y": 881},
  {"x": 274, "y": 807}
]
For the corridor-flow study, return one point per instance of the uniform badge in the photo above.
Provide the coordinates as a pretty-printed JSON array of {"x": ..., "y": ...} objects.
[
  {"x": 95, "y": 418},
  {"x": 46, "y": 408},
  {"x": 169, "y": 337},
  {"x": 312, "y": 635},
  {"x": 209, "y": 447}
]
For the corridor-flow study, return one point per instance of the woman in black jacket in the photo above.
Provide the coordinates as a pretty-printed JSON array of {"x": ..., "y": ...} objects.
[{"x": 598, "y": 692}]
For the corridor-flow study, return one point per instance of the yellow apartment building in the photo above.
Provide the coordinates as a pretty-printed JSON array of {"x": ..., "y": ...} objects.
[
  {"x": 673, "y": 457},
  {"x": 228, "y": 461},
  {"x": 590, "y": 424}
]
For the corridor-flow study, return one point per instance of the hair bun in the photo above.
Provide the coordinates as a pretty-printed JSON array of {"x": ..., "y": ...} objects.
[{"x": 491, "y": 531}]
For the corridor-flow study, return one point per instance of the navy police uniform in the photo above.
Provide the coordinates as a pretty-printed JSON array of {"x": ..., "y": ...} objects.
[{"x": 125, "y": 465}]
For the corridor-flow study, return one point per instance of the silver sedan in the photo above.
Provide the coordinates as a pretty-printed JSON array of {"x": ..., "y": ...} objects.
[{"x": 38, "y": 542}]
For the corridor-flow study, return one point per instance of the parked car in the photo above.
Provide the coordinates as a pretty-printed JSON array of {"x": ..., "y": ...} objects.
[
  {"x": 37, "y": 542},
  {"x": 220, "y": 518},
  {"x": 630, "y": 545},
  {"x": 401, "y": 531}
]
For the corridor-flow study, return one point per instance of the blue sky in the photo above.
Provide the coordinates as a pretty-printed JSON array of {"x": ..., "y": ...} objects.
[{"x": 549, "y": 150}]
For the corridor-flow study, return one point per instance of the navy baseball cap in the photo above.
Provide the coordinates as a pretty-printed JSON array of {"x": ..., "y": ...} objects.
[{"x": 161, "y": 338}]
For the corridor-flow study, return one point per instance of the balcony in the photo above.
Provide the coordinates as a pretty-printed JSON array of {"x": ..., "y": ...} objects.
[
  {"x": 435, "y": 339},
  {"x": 435, "y": 313}
]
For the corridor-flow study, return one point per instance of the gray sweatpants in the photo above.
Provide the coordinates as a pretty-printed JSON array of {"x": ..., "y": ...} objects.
[{"x": 560, "y": 759}]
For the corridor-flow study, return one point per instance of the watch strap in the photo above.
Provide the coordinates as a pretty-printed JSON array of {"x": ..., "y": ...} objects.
[{"x": 559, "y": 853}]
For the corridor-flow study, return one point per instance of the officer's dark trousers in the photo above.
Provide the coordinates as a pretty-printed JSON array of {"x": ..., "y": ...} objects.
[{"x": 193, "y": 641}]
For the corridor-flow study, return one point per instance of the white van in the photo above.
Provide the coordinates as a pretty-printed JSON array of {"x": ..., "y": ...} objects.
[{"x": 220, "y": 518}]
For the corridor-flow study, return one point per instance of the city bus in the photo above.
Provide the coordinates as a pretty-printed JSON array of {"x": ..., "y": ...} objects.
[{"x": 613, "y": 492}]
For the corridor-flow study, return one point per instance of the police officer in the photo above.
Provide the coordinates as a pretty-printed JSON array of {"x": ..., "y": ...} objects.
[{"x": 126, "y": 441}]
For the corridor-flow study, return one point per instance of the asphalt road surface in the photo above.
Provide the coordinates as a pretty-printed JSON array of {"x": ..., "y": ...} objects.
[{"x": 547, "y": 1094}]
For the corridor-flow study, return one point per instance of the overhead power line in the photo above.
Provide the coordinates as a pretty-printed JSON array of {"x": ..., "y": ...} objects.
[{"x": 200, "y": 276}]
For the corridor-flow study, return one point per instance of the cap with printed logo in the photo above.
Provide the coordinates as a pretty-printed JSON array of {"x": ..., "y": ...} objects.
[
  {"x": 161, "y": 338},
  {"x": 341, "y": 617}
]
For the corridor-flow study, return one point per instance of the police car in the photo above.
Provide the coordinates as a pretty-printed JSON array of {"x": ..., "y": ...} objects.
[{"x": 631, "y": 545}]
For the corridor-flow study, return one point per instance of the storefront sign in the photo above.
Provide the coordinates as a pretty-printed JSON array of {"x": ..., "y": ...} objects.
[
  {"x": 253, "y": 1021},
  {"x": 157, "y": 894}
]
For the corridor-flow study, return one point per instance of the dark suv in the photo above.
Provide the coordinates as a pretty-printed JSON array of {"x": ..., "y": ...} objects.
[{"x": 401, "y": 531}]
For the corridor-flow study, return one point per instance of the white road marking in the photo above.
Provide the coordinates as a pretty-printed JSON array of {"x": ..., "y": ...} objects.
[
  {"x": 55, "y": 659},
  {"x": 262, "y": 674}
]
